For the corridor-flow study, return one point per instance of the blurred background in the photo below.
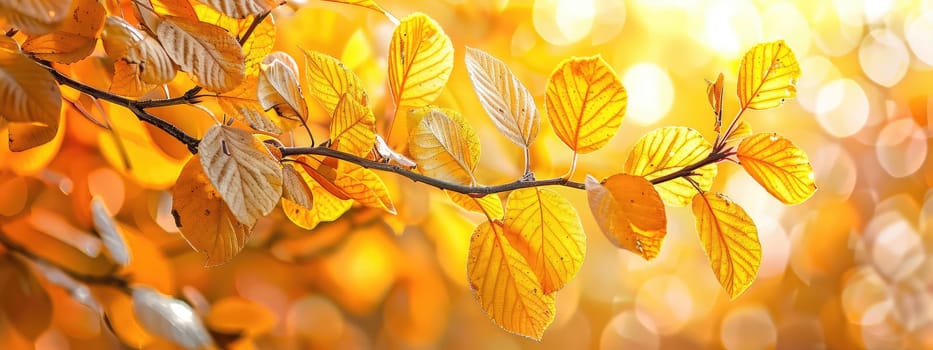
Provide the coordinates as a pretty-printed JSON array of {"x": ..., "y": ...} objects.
[{"x": 849, "y": 268}]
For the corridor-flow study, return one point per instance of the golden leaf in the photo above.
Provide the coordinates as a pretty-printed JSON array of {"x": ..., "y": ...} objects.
[
  {"x": 26, "y": 136},
  {"x": 141, "y": 60},
  {"x": 506, "y": 100},
  {"x": 256, "y": 47},
  {"x": 767, "y": 76},
  {"x": 714, "y": 92},
  {"x": 505, "y": 285},
  {"x": 729, "y": 239},
  {"x": 585, "y": 103},
  {"x": 243, "y": 8},
  {"x": 742, "y": 130},
  {"x": 34, "y": 16},
  {"x": 364, "y": 186},
  {"x": 242, "y": 170},
  {"x": 445, "y": 147},
  {"x": 353, "y": 129},
  {"x": 370, "y": 4},
  {"x": 666, "y": 150},
  {"x": 280, "y": 88},
  {"x": 241, "y": 103},
  {"x": 74, "y": 39},
  {"x": 779, "y": 166},
  {"x": 28, "y": 91},
  {"x": 295, "y": 189},
  {"x": 544, "y": 227},
  {"x": 421, "y": 58},
  {"x": 327, "y": 207},
  {"x": 203, "y": 218},
  {"x": 488, "y": 205},
  {"x": 24, "y": 302},
  {"x": 630, "y": 213},
  {"x": 324, "y": 174},
  {"x": 329, "y": 80},
  {"x": 211, "y": 54}
]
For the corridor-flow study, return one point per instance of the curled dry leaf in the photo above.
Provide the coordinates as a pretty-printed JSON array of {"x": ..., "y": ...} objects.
[
  {"x": 34, "y": 16},
  {"x": 630, "y": 213},
  {"x": 242, "y": 104},
  {"x": 294, "y": 188},
  {"x": 141, "y": 61},
  {"x": 767, "y": 76},
  {"x": 242, "y": 170},
  {"x": 243, "y": 8},
  {"x": 421, "y": 58},
  {"x": 669, "y": 149},
  {"x": 24, "y": 301},
  {"x": 110, "y": 233},
  {"x": 730, "y": 240},
  {"x": 506, "y": 100},
  {"x": 387, "y": 154},
  {"x": 326, "y": 207},
  {"x": 28, "y": 91},
  {"x": 203, "y": 218},
  {"x": 169, "y": 318},
  {"x": 585, "y": 103},
  {"x": 329, "y": 80},
  {"x": 779, "y": 166},
  {"x": 544, "y": 227},
  {"x": 505, "y": 285},
  {"x": 714, "y": 92},
  {"x": 211, "y": 54},
  {"x": 445, "y": 147},
  {"x": 74, "y": 39},
  {"x": 353, "y": 129},
  {"x": 280, "y": 88}
]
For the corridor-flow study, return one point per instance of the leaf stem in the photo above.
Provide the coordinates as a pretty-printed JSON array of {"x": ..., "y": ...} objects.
[{"x": 527, "y": 174}]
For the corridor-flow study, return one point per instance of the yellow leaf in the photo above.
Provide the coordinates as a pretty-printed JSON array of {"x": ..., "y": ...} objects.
[
  {"x": 24, "y": 301},
  {"x": 203, "y": 218},
  {"x": 505, "y": 285},
  {"x": 370, "y": 4},
  {"x": 767, "y": 76},
  {"x": 280, "y": 88},
  {"x": 630, "y": 213},
  {"x": 353, "y": 129},
  {"x": 742, "y": 130},
  {"x": 669, "y": 149},
  {"x": 506, "y": 100},
  {"x": 240, "y": 316},
  {"x": 729, "y": 239},
  {"x": 488, "y": 205},
  {"x": 257, "y": 46},
  {"x": 364, "y": 186},
  {"x": 74, "y": 39},
  {"x": 327, "y": 207},
  {"x": 544, "y": 227},
  {"x": 211, "y": 54},
  {"x": 445, "y": 147},
  {"x": 294, "y": 188},
  {"x": 324, "y": 174},
  {"x": 329, "y": 80},
  {"x": 421, "y": 58},
  {"x": 243, "y": 8},
  {"x": 241, "y": 103},
  {"x": 149, "y": 165},
  {"x": 585, "y": 103},
  {"x": 714, "y": 92},
  {"x": 242, "y": 170},
  {"x": 34, "y": 16},
  {"x": 779, "y": 166},
  {"x": 141, "y": 58},
  {"x": 28, "y": 91}
]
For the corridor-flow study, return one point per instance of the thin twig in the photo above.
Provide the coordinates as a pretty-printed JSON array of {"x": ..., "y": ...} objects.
[{"x": 117, "y": 281}]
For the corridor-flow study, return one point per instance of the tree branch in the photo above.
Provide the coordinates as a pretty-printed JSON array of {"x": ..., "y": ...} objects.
[{"x": 116, "y": 281}]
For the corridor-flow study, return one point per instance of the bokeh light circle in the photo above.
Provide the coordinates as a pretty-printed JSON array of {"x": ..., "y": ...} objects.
[
  {"x": 650, "y": 93},
  {"x": 625, "y": 331},
  {"x": 748, "y": 327},
  {"x": 919, "y": 35},
  {"x": 664, "y": 303},
  {"x": 819, "y": 71},
  {"x": 563, "y": 22},
  {"x": 884, "y": 57},
  {"x": 842, "y": 107},
  {"x": 901, "y": 147}
]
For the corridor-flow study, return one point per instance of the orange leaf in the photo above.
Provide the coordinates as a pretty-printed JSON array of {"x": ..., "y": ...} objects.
[
  {"x": 669, "y": 149},
  {"x": 203, "y": 218},
  {"x": 630, "y": 213},
  {"x": 327, "y": 207},
  {"x": 421, "y": 58},
  {"x": 74, "y": 39},
  {"x": 353, "y": 129},
  {"x": 545, "y": 228},
  {"x": 585, "y": 103},
  {"x": 714, "y": 92},
  {"x": 767, "y": 76},
  {"x": 779, "y": 166},
  {"x": 25, "y": 303},
  {"x": 240, "y": 316},
  {"x": 505, "y": 285},
  {"x": 35, "y": 16},
  {"x": 730, "y": 240},
  {"x": 29, "y": 92}
]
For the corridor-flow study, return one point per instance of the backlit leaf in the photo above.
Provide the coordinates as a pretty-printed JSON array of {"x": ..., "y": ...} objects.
[
  {"x": 714, "y": 92},
  {"x": 25, "y": 303},
  {"x": 242, "y": 170},
  {"x": 370, "y": 4},
  {"x": 327, "y": 207},
  {"x": 74, "y": 39},
  {"x": 767, "y": 76},
  {"x": 237, "y": 315},
  {"x": 489, "y": 205},
  {"x": 259, "y": 44},
  {"x": 323, "y": 174},
  {"x": 329, "y": 79},
  {"x": 742, "y": 130},
  {"x": 506, "y": 100},
  {"x": 28, "y": 91},
  {"x": 242, "y": 104},
  {"x": 141, "y": 58},
  {"x": 669, "y": 149},
  {"x": 169, "y": 318},
  {"x": 110, "y": 233},
  {"x": 353, "y": 129},
  {"x": 779, "y": 166},
  {"x": 203, "y": 218},
  {"x": 544, "y": 227},
  {"x": 730, "y": 240},
  {"x": 294, "y": 188},
  {"x": 34, "y": 16},
  {"x": 26, "y": 136},
  {"x": 243, "y": 8},
  {"x": 585, "y": 103},
  {"x": 630, "y": 213},
  {"x": 505, "y": 285},
  {"x": 445, "y": 147},
  {"x": 364, "y": 186},
  {"x": 280, "y": 88},
  {"x": 211, "y": 54},
  {"x": 421, "y": 58}
]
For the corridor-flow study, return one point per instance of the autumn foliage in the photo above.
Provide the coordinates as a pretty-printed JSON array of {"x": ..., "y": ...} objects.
[{"x": 252, "y": 148}]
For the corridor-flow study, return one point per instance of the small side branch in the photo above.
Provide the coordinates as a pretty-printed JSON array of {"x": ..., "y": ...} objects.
[{"x": 116, "y": 281}]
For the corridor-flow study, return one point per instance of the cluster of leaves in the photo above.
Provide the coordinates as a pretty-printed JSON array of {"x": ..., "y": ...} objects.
[{"x": 526, "y": 250}]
